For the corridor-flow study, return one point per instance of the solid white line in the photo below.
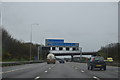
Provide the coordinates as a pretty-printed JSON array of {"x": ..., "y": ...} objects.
[{"x": 13, "y": 70}]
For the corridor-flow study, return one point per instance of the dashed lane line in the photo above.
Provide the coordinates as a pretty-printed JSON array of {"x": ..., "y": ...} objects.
[
  {"x": 51, "y": 67},
  {"x": 96, "y": 78},
  {"x": 37, "y": 77},
  {"x": 76, "y": 68},
  {"x": 82, "y": 71},
  {"x": 46, "y": 71}
]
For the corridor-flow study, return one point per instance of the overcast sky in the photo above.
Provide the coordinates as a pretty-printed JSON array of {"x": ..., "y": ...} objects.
[{"x": 90, "y": 24}]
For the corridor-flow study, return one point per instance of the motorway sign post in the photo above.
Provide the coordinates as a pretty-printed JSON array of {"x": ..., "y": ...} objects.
[{"x": 80, "y": 54}]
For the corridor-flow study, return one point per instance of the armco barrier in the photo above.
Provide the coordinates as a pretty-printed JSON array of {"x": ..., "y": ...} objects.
[
  {"x": 113, "y": 64},
  {"x": 20, "y": 62}
]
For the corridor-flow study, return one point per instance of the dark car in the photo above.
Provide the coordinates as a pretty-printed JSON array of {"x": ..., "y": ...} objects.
[
  {"x": 61, "y": 61},
  {"x": 96, "y": 62}
]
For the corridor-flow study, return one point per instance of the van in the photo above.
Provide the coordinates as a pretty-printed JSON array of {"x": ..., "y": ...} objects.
[{"x": 109, "y": 59}]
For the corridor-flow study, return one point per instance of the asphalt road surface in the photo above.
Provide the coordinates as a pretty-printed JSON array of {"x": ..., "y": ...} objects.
[{"x": 66, "y": 70}]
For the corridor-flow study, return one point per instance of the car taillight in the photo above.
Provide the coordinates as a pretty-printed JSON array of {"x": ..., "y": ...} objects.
[{"x": 93, "y": 59}]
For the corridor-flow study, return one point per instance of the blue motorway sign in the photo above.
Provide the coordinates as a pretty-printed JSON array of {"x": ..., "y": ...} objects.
[
  {"x": 59, "y": 42},
  {"x": 63, "y": 44},
  {"x": 55, "y": 40}
]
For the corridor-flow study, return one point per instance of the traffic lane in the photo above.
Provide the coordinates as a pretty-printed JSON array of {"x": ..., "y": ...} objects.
[
  {"x": 111, "y": 72},
  {"x": 63, "y": 71},
  {"x": 29, "y": 72},
  {"x": 8, "y": 68},
  {"x": 60, "y": 71}
]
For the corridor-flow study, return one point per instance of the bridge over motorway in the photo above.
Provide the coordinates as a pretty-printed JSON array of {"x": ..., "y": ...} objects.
[
  {"x": 46, "y": 50},
  {"x": 72, "y": 54},
  {"x": 83, "y": 53}
]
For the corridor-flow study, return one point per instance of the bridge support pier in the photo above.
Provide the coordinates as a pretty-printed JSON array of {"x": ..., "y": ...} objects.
[{"x": 71, "y": 57}]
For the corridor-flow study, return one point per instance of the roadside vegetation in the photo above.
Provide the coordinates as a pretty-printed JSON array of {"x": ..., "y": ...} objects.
[
  {"x": 111, "y": 50},
  {"x": 16, "y": 50}
]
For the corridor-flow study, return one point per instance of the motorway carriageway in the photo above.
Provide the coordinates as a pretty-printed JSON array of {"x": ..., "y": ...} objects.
[{"x": 66, "y": 70}]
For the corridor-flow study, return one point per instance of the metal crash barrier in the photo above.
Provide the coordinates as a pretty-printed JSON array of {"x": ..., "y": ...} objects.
[{"x": 20, "y": 62}]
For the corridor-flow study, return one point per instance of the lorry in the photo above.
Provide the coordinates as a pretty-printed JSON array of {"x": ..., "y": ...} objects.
[{"x": 51, "y": 58}]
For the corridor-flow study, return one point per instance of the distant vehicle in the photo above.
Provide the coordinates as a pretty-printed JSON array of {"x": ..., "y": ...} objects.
[
  {"x": 51, "y": 58},
  {"x": 96, "y": 62},
  {"x": 109, "y": 59},
  {"x": 61, "y": 61},
  {"x": 67, "y": 60}
]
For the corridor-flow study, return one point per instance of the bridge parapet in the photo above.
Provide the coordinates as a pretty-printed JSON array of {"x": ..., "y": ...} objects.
[
  {"x": 63, "y": 52},
  {"x": 77, "y": 53}
]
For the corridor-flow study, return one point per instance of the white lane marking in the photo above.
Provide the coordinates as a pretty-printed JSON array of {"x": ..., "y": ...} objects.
[
  {"x": 76, "y": 68},
  {"x": 96, "y": 77},
  {"x": 14, "y": 70},
  {"x": 52, "y": 66},
  {"x": 82, "y": 71},
  {"x": 37, "y": 77},
  {"x": 46, "y": 71}
]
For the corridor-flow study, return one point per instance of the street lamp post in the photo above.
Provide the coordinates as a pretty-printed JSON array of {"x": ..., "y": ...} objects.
[
  {"x": 1, "y": 14},
  {"x": 31, "y": 41}
]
